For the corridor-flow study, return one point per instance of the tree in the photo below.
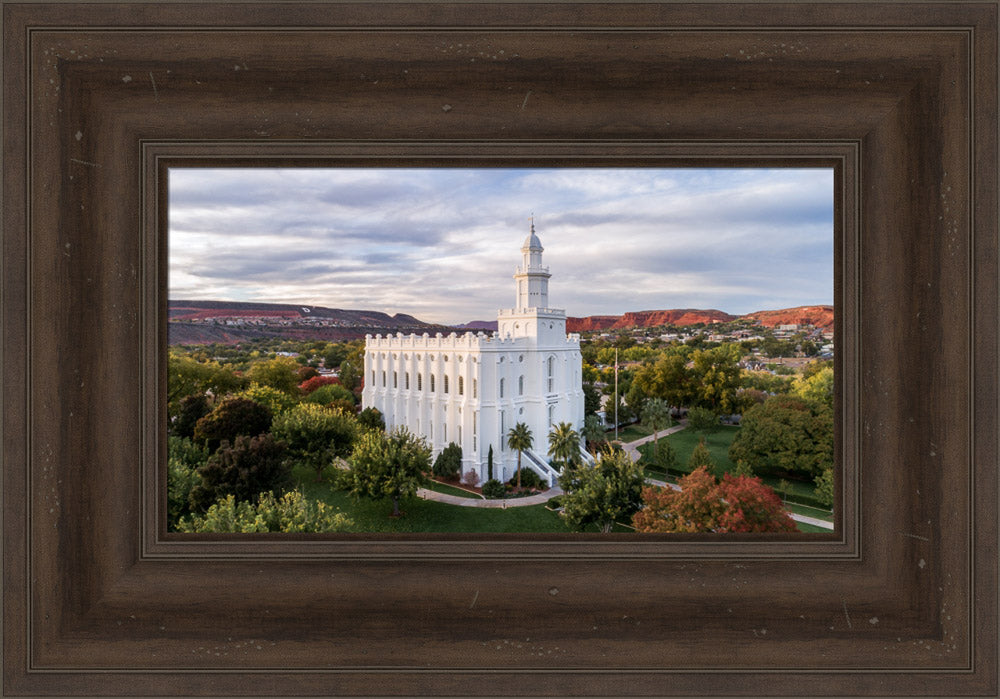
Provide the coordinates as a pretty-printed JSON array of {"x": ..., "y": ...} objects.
[
  {"x": 656, "y": 415},
  {"x": 291, "y": 512},
  {"x": 737, "y": 504},
  {"x": 519, "y": 438},
  {"x": 388, "y": 466},
  {"x": 186, "y": 376},
  {"x": 607, "y": 493},
  {"x": 664, "y": 455},
  {"x": 700, "y": 457},
  {"x": 281, "y": 373},
  {"x": 489, "y": 464},
  {"x": 668, "y": 378},
  {"x": 306, "y": 373},
  {"x": 311, "y": 384},
  {"x": 329, "y": 394},
  {"x": 752, "y": 507},
  {"x": 229, "y": 419},
  {"x": 276, "y": 401},
  {"x": 591, "y": 399},
  {"x": 349, "y": 375},
  {"x": 593, "y": 433},
  {"x": 183, "y": 458},
  {"x": 371, "y": 418},
  {"x": 716, "y": 376},
  {"x": 696, "y": 507},
  {"x": 564, "y": 444},
  {"x": 703, "y": 419},
  {"x": 448, "y": 463},
  {"x": 316, "y": 435},
  {"x": 824, "y": 487},
  {"x": 786, "y": 436},
  {"x": 817, "y": 387},
  {"x": 249, "y": 466},
  {"x": 191, "y": 409}
]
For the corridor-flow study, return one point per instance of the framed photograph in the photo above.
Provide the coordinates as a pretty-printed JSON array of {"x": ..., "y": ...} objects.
[
  {"x": 314, "y": 305},
  {"x": 103, "y": 104}
]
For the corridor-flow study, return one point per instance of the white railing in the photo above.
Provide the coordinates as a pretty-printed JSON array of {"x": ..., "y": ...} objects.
[{"x": 540, "y": 466}]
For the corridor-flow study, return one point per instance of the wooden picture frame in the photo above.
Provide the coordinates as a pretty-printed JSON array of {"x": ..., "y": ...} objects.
[{"x": 900, "y": 98}]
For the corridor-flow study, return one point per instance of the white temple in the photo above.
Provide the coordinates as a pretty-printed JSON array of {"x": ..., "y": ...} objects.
[{"x": 471, "y": 389}]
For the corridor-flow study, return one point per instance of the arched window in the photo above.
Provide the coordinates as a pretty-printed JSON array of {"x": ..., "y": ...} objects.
[
  {"x": 461, "y": 386},
  {"x": 520, "y": 385},
  {"x": 407, "y": 381},
  {"x": 432, "y": 383},
  {"x": 475, "y": 387},
  {"x": 552, "y": 415},
  {"x": 395, "y": 379},
  {"x": 420, "y": 381},
  {"x": 501, "y": 388},
  {"x": 383, "y": 379},
  {"x": 552, "y": 381},
  {"x": 373, "y": 377},
  {"x": 445, "y": 383}
]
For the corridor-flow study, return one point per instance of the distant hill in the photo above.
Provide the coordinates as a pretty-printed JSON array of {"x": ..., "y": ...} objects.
[
  {"x": 204, "y": 322},
  {"x": 820, "y": 316},
  {"x": 477, "y": 325}
]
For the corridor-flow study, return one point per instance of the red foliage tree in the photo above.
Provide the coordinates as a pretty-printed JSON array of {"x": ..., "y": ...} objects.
[
  {"x": 752, "y": 507},
  {"x": 310, "y": 385},
  {"x": 738, "y": 504}
]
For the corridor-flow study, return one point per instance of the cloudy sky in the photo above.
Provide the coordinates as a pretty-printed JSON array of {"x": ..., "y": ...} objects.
[{"x": 442, "y": 244}]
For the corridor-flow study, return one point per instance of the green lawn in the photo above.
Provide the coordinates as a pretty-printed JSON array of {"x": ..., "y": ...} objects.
[
  {"x": 428, "y": 516},
  {"x": 718, "y": 443},
  {"x": 630, "y": 433},
  {"x": 687, "y": 439}
]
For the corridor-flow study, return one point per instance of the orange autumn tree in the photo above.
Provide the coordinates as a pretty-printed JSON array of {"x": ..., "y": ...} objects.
[{"x": 703, "y": 504}]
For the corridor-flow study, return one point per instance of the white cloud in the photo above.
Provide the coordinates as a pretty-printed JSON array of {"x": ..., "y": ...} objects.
[{"x": 442, "y": 244}]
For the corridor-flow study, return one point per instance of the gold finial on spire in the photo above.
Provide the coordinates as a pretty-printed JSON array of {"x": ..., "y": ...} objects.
[{"x": 532, "y": 219}]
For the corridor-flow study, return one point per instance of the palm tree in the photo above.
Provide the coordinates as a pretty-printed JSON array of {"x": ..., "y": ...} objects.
[
  {"x": 656, "y": 414},
  {"x": 564, "y": 444},
  {"x": 593, "y": 431},
  {"x": 519, "y": 438}
]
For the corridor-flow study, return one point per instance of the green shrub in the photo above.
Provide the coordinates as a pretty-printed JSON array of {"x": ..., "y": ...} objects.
[
  {"x": 230, "y": 419},
  {"x": 328, "y": 394},
  {"x": 448, "y": 463},
  {"x": 274, "y": 400},
  {"x": 316, "y": 435},
  {"x": 529, "y": 479},
  {"x": 494, "y": 489},
  {"x": 824, "y": 487},
  {"x": 190, "y": 409},
  {"x": 289, "y": 513},
  {"x": 664, "y": 456},
  {"x": 372, "y": 419},
  {"x": 703, "y": 419},
  {"x": 183, "y": 458},
  {"x": 250, "y": 466}
]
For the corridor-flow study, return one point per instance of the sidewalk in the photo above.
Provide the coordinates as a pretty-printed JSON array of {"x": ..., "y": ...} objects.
[
  {"x": 504, "y": 504},
  {"x": 632, "y": 448}
]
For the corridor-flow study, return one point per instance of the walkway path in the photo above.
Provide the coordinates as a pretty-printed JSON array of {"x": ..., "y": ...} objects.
[
  {"x": 632, "y": 448},
  {"x": 504, "y": 504}
]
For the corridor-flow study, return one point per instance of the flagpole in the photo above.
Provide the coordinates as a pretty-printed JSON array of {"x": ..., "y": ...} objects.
[{"x": 616, "y": 394}]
